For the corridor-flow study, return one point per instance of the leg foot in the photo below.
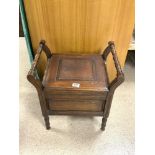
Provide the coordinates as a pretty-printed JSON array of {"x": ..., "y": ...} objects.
[
  {"x": 47, "y": 123},
  {"x": 103, "y": 125}
]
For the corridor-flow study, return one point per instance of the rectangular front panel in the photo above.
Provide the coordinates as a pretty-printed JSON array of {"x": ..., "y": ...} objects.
[
  {"x": 92, "y": 105},
  {"x": 74, "y": 95}
]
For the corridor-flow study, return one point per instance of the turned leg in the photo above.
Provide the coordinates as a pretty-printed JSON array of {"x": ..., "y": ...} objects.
[
  {"x": 103, "y": 125},
  {"x": 47, "y": 123}
]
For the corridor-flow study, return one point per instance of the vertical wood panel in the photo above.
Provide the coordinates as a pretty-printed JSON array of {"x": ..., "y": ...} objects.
[{"x": 81, "y": 26}]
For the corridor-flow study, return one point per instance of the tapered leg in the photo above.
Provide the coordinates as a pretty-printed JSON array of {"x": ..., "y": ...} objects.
[
  {"x": 103, "y": 125},
  {"x": 47, "y": 123}
]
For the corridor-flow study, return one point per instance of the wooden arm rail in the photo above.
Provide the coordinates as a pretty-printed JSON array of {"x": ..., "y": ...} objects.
[
  {"x": 116, "y": 82},
  {"x": 32, "y": 78},
  {"x": 120, "y": 75},
  {"x": 42, "y": 47},
  {"x": 111, "y": 48}
]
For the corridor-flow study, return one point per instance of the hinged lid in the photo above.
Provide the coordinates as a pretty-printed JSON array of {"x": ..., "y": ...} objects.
[{"x": 81, "y": 75}]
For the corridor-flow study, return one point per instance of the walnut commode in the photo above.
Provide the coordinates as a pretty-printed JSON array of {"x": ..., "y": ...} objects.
[{"x": 75, "y": 84}]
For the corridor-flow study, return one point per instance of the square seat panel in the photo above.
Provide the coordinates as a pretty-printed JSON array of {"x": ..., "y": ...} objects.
[{"x": 78, "y": 76}]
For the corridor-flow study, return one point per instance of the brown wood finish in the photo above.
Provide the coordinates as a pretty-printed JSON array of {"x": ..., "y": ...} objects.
[
  {"x": 87, "y": 70},
  {"x": 75, "y": 84},
  {"x": 78, "y": 113},
  {"x": 79, "y": 105}
]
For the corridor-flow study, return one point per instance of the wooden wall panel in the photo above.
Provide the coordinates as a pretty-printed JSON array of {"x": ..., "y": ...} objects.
[{"x": 81, "y": 26}]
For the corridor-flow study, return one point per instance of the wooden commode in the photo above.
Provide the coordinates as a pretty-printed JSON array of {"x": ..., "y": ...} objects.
[{"x": 75, "y": 84}]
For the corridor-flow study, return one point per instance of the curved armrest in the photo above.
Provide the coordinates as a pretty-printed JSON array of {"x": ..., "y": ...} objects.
[
  {"x": 120, "y": 75},
  {"x": 32, "y": 74}
]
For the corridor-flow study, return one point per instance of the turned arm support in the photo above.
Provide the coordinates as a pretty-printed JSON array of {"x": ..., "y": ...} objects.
[
  {"x": 32, "y": 74},
  {"x": 120, "y": 75}
]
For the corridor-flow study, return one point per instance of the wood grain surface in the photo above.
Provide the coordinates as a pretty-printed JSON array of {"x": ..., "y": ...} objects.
[
  {"x": 81, "y": 26},
  {"x": 87, "y": 105}
]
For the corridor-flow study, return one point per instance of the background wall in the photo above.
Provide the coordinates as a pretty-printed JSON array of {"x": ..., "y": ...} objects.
[{"x": 81, "y": 26}]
